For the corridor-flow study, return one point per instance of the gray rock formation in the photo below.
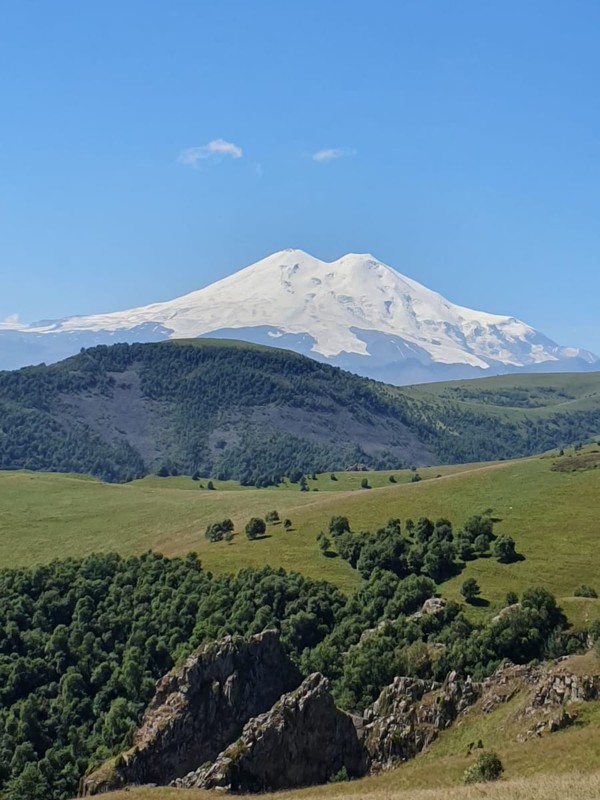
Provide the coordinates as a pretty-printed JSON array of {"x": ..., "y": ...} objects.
[
  {"x": 409, "y": 714},
  {"x": 232, "y": 719},
  {"x": 303, "y": 740},
  {"x": 199, "y": 709}
]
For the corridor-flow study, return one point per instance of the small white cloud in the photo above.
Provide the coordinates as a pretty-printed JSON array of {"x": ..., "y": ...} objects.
[
  {"x": 214, "y": 149},
  {"x": 12, "y": 319},
  {"x": 333, "y": 153}
]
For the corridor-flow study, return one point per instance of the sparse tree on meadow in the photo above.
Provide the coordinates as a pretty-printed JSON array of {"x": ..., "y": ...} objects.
[
  {"x": 504, "y": 549},
  {"x": 255, "y": 527},
  {"x": 470, "y": 590},
  {"x": 338, "y": 525}
]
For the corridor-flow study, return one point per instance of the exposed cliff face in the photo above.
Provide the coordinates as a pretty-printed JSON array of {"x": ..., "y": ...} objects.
[
  {"x": 232, "y": 719},
  {"x": 303, "y": 740},
  {"x": 199, "y": 709},
  {"x": 409, "y": 714}
]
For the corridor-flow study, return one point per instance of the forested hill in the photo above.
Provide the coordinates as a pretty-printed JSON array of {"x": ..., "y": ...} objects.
[{"x": 255, "y": 414}]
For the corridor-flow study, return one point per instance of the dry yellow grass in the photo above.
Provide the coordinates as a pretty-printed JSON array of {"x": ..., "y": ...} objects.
[{"x": 571, "y": 786}]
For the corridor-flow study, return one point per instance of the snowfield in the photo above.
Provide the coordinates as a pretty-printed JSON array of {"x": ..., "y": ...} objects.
[{"x": 353, "y": 307}]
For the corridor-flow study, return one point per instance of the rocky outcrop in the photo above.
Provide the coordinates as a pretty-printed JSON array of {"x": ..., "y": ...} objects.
[
  {"x": 432, "y": 606},
  {"x": 558, "y": 687},
  {"x": 303, "y": 740},
  {"x": 409, "y": 714},
  {"x": 199, "y": 709},
  {"x": 554, "y": 691},
  {"x": 232, "y": 719},
  {"x": 506, "y": 682}
]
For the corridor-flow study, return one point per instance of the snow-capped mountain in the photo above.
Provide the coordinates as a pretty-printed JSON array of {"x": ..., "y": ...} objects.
[{"x": 355, "y": 312}]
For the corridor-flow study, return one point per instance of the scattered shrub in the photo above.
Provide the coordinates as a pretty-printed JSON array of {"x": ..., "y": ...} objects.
[
  {"x": 338, "y": 525},
  {"x": 340, "y": 776},
  {"x": 470, "y": 590},
  {"x": 488, "y": 767},
  {"x": 504, "y": 549},
  {"x": 585, "y": 591}
]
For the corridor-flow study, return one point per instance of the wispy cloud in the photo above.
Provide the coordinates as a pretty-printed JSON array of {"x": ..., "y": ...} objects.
[
  {"x": 12, "y": 319},
  {"x": 332, "y": 153},
  {"x": 217, "y": 148}
]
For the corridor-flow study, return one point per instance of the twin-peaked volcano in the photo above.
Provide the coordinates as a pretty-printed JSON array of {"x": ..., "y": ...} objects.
[{"x": 355, "y": 312}]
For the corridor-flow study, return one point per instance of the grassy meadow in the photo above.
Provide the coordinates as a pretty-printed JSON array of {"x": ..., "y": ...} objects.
[
  {"x": 553, "y": 515},
  {"x": 549, "y": 504},
  {"x": 515, "y": 395}
]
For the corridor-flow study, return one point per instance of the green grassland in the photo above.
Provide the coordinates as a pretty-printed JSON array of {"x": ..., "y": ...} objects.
[
  {"x": 553, "y": 515},
  {"x": 515, "y": 396},
  {"x": 322, "y": 482}
]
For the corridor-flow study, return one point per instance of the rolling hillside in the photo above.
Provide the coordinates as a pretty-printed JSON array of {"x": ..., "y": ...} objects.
[
  {"x": 549, "y": 506},
  {"x": 253, "y": 414}
]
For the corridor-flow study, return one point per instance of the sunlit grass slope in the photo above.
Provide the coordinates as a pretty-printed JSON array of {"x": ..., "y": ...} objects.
[
  {"x": 515, "y": 395},
  {"x": 554, "y": 517},
  {"x": 572, "y": 786}
]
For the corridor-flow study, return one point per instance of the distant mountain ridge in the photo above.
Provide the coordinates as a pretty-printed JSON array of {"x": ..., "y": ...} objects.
[
  {"x": 355, "y": 312},
  {"x": 233, "y": 410}
]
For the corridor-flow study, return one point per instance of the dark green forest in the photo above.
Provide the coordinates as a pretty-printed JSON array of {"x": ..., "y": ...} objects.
[
  {"x": 82, "y": 642},
  {"x": 254, "y": 415}
]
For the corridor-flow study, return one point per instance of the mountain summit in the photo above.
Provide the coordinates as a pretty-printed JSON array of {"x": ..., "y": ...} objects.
[{"x": 356, "y": 312}]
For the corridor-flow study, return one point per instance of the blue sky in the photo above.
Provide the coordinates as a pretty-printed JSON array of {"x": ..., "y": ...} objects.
[{"x": 461, "y": 140}]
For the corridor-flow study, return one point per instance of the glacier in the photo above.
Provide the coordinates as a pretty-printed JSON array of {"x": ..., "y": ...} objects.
[{"x": 355, "y": 312}]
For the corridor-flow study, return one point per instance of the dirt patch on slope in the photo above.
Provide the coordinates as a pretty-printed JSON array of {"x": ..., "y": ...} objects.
[
  {"x": 578, "y": 462},
  {"x": 374, "y": 435},
  {"x": 123, "y": 415}
]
